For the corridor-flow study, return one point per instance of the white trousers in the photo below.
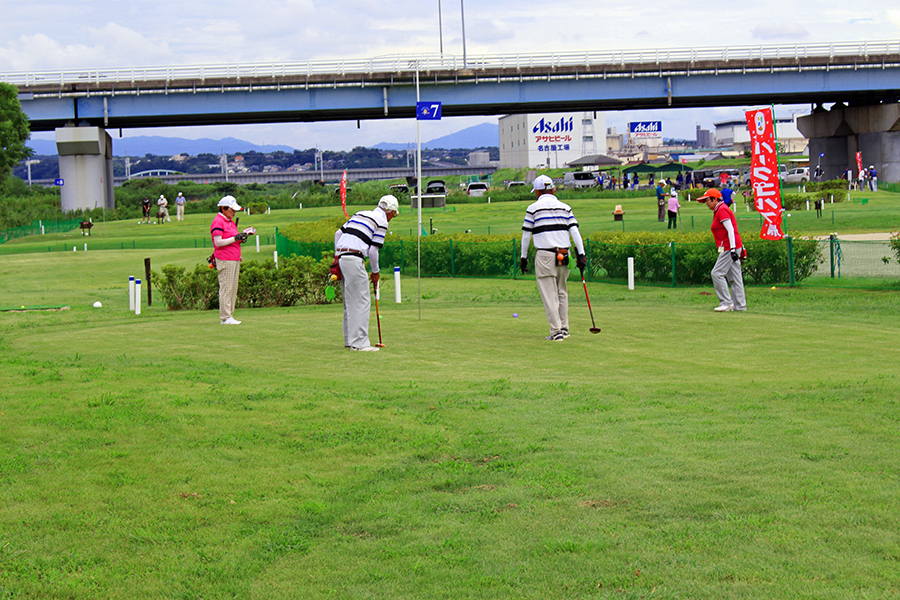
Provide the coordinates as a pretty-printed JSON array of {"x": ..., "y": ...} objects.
[
  {"x": 725, "y": 271},
  {"x": 357, "y": 301}
]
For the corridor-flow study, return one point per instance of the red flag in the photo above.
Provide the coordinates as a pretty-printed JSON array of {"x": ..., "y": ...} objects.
[
  {"x": 764, "y": 172},
  {"x": 344, "y": 193},
  {"x": 859, "y": 162}
]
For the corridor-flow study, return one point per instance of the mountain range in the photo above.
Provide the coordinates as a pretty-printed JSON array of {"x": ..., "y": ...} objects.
[{"x": 477, "y": 136}]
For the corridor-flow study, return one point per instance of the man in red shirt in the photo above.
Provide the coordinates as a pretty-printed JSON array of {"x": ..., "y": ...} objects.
[{"x": 731, "y": 251}]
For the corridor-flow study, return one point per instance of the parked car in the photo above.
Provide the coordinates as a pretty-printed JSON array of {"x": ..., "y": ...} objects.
[
  {"x": 579, "y": 179},
  {"x": 798, "y": 175},
  {"x": 733, "y": 175},
  {"x": 476, "y": 188},
  {"x": 436, "y": 186},
  {"x": 512, "y": 184},
  {"x": 745, "y": 175},
  {"x": 399, "y": 188}
]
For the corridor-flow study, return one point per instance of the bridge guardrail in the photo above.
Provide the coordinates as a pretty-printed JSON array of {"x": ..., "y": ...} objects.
[{"x": 446, "y": 62}]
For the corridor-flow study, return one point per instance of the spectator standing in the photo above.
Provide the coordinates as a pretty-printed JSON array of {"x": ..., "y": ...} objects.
[
  {"x": 873, "y": 178},
  {"x": 360, "y": 237},
  {"x": 660, "y": 202},
  {"x": 551, "y": 223},
  {"x": 689, "y": 181},
  {"x": 163, "y": 208},
  {"x": 727, "y": 269},
  {"x": 145, "y": 207},
  {"x": 179, "y": 207},
  {"x": 227, "y": 254},
  {"x": 673, "y": 210},
  {"x": 727, "y": 194}
]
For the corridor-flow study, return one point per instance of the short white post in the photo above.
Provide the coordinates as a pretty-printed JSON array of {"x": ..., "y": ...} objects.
[
  {"x": 300, "y": 206},
  {"x": 131, "y": 293},
  {"x": 630, "y": 272},
  {"x": 137, "y": 296},
  {"x": 257, "y": 243},
  {"x": 832, "y": 198},
  {"x": 397, "y": 284},
  {"x": 74, "y": 249},
  {"x": 807, "y": 204},
  {"x": 42, "y": 230},
  {"x": 275, "y": 254},
  {"x": 85, "y": 246}
]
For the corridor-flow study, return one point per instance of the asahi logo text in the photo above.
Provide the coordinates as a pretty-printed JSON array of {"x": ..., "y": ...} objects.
[{"x": 561, "y": 126}]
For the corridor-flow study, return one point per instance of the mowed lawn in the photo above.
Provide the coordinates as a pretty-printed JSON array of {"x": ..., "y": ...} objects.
[{"x": 677, "y": 454}]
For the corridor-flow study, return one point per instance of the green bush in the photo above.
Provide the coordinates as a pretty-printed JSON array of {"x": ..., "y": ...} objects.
[
  {"x": 895, "y": 245},
  {"x": 297, "y": 280}
]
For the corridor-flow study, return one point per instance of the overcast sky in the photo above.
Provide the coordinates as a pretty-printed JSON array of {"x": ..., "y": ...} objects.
[{"x": 44, "y": 35}]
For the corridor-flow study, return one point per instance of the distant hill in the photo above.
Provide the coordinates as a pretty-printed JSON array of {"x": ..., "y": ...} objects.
[
  {"x": 165, "y": 146},
  {"x": 477, "y": 136}
]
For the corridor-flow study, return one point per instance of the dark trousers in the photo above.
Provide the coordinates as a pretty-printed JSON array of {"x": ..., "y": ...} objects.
[{"x": 673, "y": 219}]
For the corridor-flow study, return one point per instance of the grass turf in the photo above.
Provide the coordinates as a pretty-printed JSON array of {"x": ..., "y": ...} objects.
[{"x": 678, "y": 454}]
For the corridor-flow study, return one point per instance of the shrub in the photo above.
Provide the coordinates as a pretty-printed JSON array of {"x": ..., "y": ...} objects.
[{"x": 297, "y": 280}]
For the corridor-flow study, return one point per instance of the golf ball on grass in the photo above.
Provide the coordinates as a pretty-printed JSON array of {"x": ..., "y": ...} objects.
[{"x": 98, "y": 304}]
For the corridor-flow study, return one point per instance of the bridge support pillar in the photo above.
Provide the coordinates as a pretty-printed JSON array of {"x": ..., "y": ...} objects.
[
  {"x": 85, "y": 166},
  {"x": 842, "y": 131}
]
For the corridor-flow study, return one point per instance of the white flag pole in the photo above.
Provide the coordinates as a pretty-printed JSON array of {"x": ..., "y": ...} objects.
[{"x": 419, "y": 194}]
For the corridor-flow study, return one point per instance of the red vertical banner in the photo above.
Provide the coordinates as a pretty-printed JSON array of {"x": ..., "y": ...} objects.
[
  {"x": 344, "y": 193},
  {"x": 859, "y": 162},
  {"x": 764, "y": 172}
]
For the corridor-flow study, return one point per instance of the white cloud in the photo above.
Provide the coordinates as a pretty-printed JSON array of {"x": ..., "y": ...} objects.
[{"x": 782, "y": 31}]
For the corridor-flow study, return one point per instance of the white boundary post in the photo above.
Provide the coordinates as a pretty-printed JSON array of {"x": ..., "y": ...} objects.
[
  {"x": 397, "y": 284},
  {"x": 131, "y": 293},
  {"x": 630, "y": 272},
  {"x": 137, "y": 296}
]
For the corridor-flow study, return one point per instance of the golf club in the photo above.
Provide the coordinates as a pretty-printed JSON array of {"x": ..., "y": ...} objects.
[
  {"x": 594, "y": 329},
  {"x": 378, "y": 318}
]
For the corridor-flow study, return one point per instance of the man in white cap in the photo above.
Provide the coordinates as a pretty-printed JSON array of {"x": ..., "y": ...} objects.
[
  {"x": 227, "y": 253},
  {"x": 163, "y": 205},
  {"x": 358, "y": 238},
  {"x": 179, "y": 207},
  {"x": 551, "y": 222}
]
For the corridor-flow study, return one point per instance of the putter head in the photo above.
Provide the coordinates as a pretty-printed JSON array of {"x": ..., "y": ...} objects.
[
  {"x": 380, "y": 346},
  {"x": 595, "y": 330}
]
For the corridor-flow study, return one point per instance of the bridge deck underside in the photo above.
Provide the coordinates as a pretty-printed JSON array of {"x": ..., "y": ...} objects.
[{"x": 273, "y": 97}]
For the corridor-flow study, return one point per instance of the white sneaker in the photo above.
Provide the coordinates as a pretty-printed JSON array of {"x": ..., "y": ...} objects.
[
  {"x": 366, "y": 349},
  {"x": 726, "y": 308},
  {"x": 231, "y": 321}
]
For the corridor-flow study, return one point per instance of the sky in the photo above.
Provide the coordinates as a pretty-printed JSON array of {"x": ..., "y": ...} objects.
[{"x": 48, "y": 35}]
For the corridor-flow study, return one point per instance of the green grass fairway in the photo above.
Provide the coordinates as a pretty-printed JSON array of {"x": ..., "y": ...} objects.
[{"x": 678, "y": 454}]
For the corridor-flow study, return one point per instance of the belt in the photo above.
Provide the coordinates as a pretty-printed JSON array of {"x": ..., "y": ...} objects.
[
  {"x": 553, "y": 250},
  {"x": 349, "y": 252}
]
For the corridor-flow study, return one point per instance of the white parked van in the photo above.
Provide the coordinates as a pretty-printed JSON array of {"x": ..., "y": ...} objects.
[{"x": 579, "y": 179}]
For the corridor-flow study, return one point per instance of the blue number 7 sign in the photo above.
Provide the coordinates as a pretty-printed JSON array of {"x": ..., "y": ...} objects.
[{"x": 428, "y": 111}]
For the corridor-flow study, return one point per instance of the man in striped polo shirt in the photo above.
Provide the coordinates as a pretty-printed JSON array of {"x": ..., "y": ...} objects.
[
  {"x": 551, "y": 222},
  {"x": 358, "y": 238}
]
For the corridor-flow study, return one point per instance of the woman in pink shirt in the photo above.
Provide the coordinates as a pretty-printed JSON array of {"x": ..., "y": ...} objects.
[
  {"x": 673, "y": 210},
  {"x": 227, "y": 252}
]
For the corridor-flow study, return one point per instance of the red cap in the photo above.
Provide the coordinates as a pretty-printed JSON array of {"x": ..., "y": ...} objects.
[{"x": 710, "y": 193}]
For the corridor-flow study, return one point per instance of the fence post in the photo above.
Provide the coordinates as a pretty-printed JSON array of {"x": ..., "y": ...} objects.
[
  {"x": 790, "y": 253},
  {"x": 674, "y": 281},
  {"x": 587, "y": 249},
  {"x": 402, "y": 261},
  {"x": 831, "y": 243},
  {"x": 452, "y": 264}
]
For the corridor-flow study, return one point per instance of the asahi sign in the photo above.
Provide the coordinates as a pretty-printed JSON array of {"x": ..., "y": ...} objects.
[{"x": 645, "y": 129}]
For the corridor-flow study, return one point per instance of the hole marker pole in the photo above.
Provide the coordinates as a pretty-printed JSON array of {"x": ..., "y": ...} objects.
[
  {"x": 131, "y": 293},
  {"x": 257, "y": 243},
  {"x": 137, "y": 296}
]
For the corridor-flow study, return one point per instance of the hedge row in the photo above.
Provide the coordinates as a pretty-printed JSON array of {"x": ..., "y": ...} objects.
[{"x": 296, "y": 280}]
